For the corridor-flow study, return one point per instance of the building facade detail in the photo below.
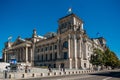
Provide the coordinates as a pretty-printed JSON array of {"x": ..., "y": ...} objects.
[{"x": 70, "y": 47}]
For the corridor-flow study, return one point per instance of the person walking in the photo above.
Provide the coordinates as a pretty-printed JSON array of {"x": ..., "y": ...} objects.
[{"x": 49, "y": 68}]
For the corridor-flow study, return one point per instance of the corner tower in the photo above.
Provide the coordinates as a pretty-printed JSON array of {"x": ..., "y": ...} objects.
[{"x": 70, "y": 22}]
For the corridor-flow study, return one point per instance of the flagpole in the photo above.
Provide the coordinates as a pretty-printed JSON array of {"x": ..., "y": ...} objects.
[{"x": 98, "y": 34}]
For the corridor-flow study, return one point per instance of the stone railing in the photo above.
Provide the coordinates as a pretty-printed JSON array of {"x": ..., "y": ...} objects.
[{"x": 16, "y": 75}]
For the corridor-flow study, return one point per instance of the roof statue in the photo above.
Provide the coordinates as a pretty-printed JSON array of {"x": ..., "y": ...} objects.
[{"x": 9, "y": 38}]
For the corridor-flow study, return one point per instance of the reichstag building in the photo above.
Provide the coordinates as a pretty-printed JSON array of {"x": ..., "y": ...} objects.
[{"x": 70, "y": 46}]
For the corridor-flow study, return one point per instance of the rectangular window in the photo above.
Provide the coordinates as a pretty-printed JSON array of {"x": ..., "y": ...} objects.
[
  {"x": 38, "y": 57},
  {"x": 55, "y": 46},
  {"x": 46, "y": 57},
  {"x": 51, "y": 56},
  {"x": 46, "y": 48},
  {"x": 50, "y": 47},
  {"x": 55, "y": 56},
  {"x": 65, "y": 55},
  {"x": 38, "y": 50},
  {"x": 42, "y": 57},
  {"x": 42, "y": 50}
]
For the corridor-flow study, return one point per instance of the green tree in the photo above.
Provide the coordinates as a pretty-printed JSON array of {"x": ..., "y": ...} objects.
[
  {"x": 97, "y": 57},
  {"x": 111, "y": 59},
  {"x": 107, "y": 58}
]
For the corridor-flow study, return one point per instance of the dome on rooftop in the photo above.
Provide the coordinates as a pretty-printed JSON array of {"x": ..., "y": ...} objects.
[{"x": 50, "y": 34}]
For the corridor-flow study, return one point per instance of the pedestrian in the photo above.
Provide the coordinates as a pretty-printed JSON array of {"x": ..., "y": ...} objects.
[
  {"x": 5, "y": 73},
  {"x": 49, "y": 68},
  {"x": 26, "y": 67},
  {"x": 59, "y": 67},
  {"x": 63, "y": 69},
  {"x": 29, "y": 69}
]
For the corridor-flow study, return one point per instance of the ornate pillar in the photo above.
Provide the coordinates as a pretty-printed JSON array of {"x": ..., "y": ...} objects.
[
  {"x": 26, "y": 54},
  {"x": 58, "y": 48},
  {"x": 75, "y": 47},
  {"x": 86, "y": 50},
  {"x": 20, "y": 54},
  {"x": 53, "y": 51},
  {"x": 7, "y": 54},
  {"x": 69, "y": 51},
  {"x": 5, "y": 57},
  {"x": 23, "y": 54},
  {"x": 31, "y": 55},
  {"x": 80, "y": 51},
  {"x": 80, "y": 41}
]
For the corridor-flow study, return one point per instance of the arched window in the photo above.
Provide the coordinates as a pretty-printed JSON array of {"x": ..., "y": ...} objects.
[
  {"x": 65, "y": 44},
  {"x": 85, "y": 65}
]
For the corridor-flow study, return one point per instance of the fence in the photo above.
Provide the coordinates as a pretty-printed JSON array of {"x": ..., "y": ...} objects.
[
  {"x": 33, "y": 74},
  {"x": 20, "y": 75}
]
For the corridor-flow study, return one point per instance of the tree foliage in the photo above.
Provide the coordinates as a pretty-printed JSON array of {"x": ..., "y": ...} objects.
[
  {"x": 111, "y": 59},
  {"x": 97, "y": 57},
  {"x": 107, "y": 58}
]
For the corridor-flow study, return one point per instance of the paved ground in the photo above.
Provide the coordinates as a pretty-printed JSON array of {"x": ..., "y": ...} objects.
[{"x": 99, "y": 76}]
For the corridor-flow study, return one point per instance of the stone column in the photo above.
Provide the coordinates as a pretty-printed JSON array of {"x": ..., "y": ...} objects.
[
  {"x": 23, "y": 54},
  {"x": 7, "y": 54},
  {"x": 53, "y": 51},
  {"x": 75, "y": 47},
  {"x": 58, "y": 49},
  {"x": 86, "y": 51},
  {"x": 20, "y": 54},
  {"x": 5, "y": 57},
  {"x": 17, "y": 57},
  {"x": 31, "y": 55},
  {"x": 80, "y": 54},
  {"x": 26, "y": 54},
  {"x": 69, "y": 51},
  {"x": 22, "y": 51}
]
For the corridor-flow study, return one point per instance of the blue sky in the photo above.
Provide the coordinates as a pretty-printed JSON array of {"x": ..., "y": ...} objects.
[{"x": 20, "y": 17}]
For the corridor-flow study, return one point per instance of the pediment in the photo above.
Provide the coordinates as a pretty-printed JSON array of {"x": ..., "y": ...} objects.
[{"x": 18, "y": 41}]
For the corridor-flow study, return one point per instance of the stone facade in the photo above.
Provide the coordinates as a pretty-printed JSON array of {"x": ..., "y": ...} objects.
[{"x": 70, "y": 47}]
